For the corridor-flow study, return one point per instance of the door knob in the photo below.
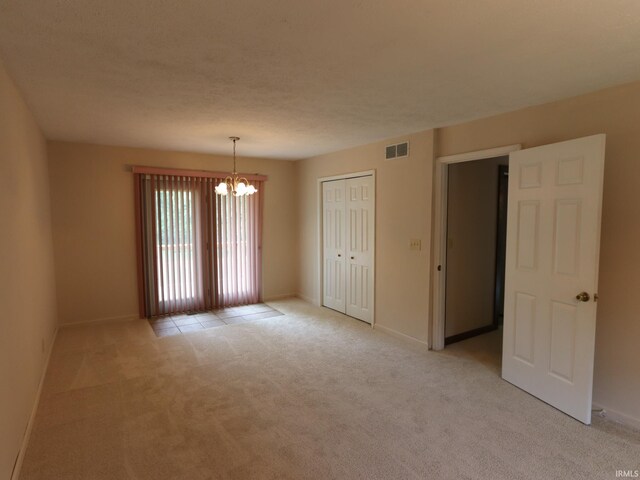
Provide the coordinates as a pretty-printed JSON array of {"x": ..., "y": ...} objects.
[
  {"x": 583, "y": 297},
  {"x": 352, "y": 258},
  {"x": 339, "y": 254}
]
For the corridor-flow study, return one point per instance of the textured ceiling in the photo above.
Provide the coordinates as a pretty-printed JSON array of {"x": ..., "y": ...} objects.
[{"x": 297, "y": 78}]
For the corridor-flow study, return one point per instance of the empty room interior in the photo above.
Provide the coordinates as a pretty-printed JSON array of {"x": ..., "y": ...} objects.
[{"x": 340, "y": 239}]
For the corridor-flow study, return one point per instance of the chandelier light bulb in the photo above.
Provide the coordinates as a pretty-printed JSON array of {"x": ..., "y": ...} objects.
[{"x": 221, "y": 189}]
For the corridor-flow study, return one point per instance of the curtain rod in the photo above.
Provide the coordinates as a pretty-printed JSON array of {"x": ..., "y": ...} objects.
[{"x": 195, "y": 173}]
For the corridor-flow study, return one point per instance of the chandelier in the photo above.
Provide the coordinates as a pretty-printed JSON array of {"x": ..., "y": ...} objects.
[{"x": 237, "y": 186}]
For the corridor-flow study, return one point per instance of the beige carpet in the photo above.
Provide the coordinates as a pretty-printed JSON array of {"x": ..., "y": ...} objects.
[{"x": 310, "y": 394}]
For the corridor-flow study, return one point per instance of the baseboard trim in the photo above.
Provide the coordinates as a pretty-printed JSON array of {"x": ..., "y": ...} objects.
[
  {"x": 618, "y": 417},
  {"x": 310, "y": 300},
  {"x": 122, "y": 318},
  {"x": 273, "y": 298},
  {"x": 27, "y": 433},
  {"x": 403, "y": 336}
]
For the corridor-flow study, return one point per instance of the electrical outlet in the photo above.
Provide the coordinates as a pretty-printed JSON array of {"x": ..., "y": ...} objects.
[{"x": 415, "y": 244}]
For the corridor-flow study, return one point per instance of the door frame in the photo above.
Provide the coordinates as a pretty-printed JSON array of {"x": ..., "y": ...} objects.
[
  {"x": 320, "y": 262},
  {"x": 439, "y": 278}
]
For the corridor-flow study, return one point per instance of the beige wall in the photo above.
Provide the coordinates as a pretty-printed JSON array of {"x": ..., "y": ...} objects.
[
  {"x": 616, "y": 112},
  {"x": 472, "y": 220},
  {"x": 404, "y": 200},
  {"x": 403, "y": 212},
  {"x": 94, "y": 227},
  {"x": 27, "y": 288}
]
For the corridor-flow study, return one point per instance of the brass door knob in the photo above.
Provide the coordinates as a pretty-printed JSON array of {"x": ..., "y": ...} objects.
[{"x": 583, "y": 297}]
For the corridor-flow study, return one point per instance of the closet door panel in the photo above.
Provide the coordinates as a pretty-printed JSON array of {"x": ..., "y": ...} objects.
[
  {"x": 333, "y": 239},
  {"x": 360, "y": 213}
]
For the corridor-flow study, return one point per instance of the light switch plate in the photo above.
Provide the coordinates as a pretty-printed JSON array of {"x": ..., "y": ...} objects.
[{"x": 415, "y": 244}]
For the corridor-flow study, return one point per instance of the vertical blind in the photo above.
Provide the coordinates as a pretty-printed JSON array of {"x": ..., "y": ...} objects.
[{"x": 196, "y": 250}]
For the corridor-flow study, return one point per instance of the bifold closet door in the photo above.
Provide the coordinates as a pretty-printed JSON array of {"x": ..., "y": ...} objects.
[
  {"x": 333, "y": 239},
  {"x": 348, "y": 251},
  {"x": 360, "y": 232}
]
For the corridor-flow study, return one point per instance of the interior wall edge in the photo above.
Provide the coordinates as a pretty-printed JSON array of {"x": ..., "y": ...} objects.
[
  {"x": 28, "y": 292},
  {"x": 15, "y": 475},
  {"x": 433, "y": 261}
]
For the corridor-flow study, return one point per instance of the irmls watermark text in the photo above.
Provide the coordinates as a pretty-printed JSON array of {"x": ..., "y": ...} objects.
[{"x": 627, "y": 473}]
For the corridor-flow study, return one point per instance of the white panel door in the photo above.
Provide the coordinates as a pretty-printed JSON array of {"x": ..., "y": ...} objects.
[
  {"x": 553, "y": 236},
  {"x": 333, "y": 239},
  {"x": 360, "y": 247}
]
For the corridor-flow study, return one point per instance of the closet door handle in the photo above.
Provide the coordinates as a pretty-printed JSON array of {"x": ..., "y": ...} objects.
[
  {"x": 352, "y": 258},
  {"x": 339, "y": 254}
]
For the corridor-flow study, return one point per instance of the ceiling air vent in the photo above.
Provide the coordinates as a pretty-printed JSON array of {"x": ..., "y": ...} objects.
[{"x": 399, "y": 150}]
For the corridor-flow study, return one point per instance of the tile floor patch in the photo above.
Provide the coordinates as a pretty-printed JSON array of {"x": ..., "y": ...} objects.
[
  {"x": 165, "y": 332},
  {"x": 177, "y": 324},
  {"x": 212, "y": 323},
  {"x": 181, "y": 322},
  {"x": 190, "y": 328}
]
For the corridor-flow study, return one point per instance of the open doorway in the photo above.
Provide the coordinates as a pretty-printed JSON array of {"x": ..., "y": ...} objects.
[
  {"x": 476, "y": 242},
  {"x": 476, "y": 229},
  {"x": 471, "y": 219}
]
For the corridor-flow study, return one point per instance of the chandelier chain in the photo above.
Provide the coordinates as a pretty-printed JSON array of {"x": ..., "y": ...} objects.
[{"x": 234, "y": 155}]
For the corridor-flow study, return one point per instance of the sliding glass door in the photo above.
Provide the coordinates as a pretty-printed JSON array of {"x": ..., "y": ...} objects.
[{"x": 197, "y": 250}]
